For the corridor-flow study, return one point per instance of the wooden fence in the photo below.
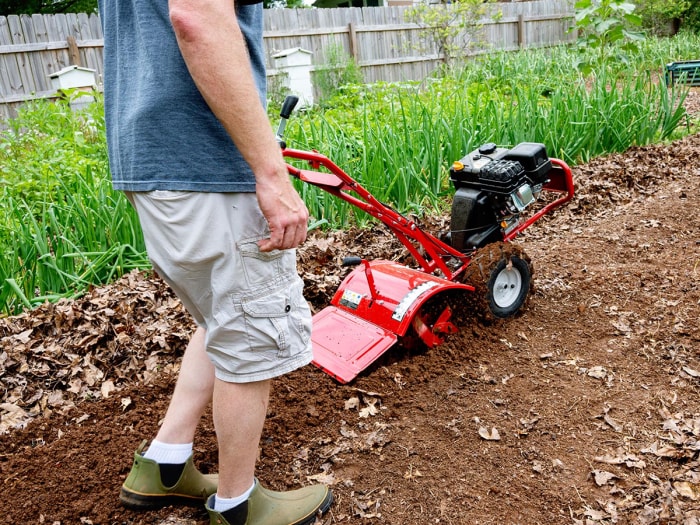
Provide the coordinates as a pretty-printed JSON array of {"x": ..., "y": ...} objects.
[
  {"x": 379, "y": 40},
  {"x": 388, "y": 48}
]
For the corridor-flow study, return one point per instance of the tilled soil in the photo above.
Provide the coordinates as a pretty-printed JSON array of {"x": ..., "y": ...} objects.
[{"x": 583, "y": 409}]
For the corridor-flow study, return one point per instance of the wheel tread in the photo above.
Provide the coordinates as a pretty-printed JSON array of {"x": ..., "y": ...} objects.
[{"x": 482, "y": 264}]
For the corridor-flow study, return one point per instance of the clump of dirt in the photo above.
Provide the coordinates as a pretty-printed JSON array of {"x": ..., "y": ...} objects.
[{"x": 581, "y": 410}]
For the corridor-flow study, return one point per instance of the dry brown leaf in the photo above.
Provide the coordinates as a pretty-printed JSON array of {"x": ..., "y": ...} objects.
[
  {"x": 603, "y": 477},
  {"x": 107, "y": 388},
  {"x": 691, "y": 372},
  {"x": 492, "y": 435},
  {"x": 371, "y": 408},
  {"x": 353, "y": 402}
]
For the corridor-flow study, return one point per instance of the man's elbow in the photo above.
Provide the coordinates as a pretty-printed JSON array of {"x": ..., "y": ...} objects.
[{"x": 187, "y": 23}]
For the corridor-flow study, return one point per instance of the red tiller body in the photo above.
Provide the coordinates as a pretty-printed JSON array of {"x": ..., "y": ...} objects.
[{"x": 380, "y": 300}]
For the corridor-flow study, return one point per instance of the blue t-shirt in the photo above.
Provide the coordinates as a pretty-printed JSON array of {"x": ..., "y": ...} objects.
[{"x": 161, "y": 133}]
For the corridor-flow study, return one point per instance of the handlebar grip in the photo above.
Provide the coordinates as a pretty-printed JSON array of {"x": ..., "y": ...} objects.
[
  {"x": 290, "y": 102},
  {"x": 351, "y": 261}
]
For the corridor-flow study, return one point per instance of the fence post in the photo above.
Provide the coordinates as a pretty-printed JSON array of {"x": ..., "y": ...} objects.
[
  {"x": 521, "y": 31},
  {"x": 73, "y": 51},
  {"x": 353, "y": 42}
]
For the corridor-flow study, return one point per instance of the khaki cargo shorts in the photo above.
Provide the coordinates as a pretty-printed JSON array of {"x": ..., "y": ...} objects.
[{"x": 204, "y": 245}]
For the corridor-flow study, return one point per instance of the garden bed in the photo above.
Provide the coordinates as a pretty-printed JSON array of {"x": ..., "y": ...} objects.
[{"x": 584, "y": 409}]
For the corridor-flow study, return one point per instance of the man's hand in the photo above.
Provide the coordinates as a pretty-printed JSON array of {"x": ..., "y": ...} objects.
[{"x": 285, "y": 212}]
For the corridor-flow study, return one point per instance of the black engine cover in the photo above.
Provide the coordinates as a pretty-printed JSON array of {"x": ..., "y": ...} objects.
[
  {"x": 485, "y": 181},
  {"x": 501, "y": 170},
  {"x": 474, "y": 222}
]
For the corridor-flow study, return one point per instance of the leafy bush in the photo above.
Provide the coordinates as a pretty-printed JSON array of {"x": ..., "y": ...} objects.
[
  {"x": 340, "y": 70},
  {"x": 690, "y": 19},
  {"x": 450, "y": 28},
  {"x": 660, "y": 16},
  {"x": 606, "y": 37}
]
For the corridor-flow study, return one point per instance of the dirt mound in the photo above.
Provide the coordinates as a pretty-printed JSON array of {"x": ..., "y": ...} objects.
[{"x": 583, "y": 409}]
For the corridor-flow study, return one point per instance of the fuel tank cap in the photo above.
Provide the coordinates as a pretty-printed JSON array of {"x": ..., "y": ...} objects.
[{"x": 488, "y": 148}]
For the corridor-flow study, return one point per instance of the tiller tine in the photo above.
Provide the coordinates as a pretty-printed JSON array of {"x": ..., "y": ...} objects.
[
  {"x": 376, "y": 304},
  {"x": 433, "y": 334}
]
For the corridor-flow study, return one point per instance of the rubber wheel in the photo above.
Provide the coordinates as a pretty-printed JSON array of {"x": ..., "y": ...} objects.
[{"x": 501, "y": 274}]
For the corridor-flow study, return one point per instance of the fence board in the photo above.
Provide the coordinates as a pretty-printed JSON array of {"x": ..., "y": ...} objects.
[
  {"x": 382, "y": 43},
  {"x": 26, "y": 78},
  {"x": 35, "y": 32},
  {"x": 8, "y": 64}
]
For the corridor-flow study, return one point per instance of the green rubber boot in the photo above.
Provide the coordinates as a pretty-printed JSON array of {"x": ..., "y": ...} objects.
[
  {"x": 144, "y": 489},
  {"x": 267, "y": 507}
]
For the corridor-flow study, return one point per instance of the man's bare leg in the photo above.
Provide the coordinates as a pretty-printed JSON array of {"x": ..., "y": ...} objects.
[
  {"x": 165, "y": 474},
  {"x": 239, "y": 416},
  {"x": 192, "y": 395}
]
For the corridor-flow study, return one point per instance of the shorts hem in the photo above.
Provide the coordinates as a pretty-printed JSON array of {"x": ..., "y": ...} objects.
[{"x": 289, "y": 366}]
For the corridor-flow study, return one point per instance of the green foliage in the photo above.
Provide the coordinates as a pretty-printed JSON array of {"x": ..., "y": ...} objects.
[
  {"x": 656, "y": 52},
  {"x": 30, "y": 7},
  {"x": 62, "y": 227},
  {"x": 659, "y": 16},
  {"x": 691, "y": 18},
  {"x": 340, "y": 70},
  {"x": 450, "y": 29},
  {"x": 606, "y": 35}
]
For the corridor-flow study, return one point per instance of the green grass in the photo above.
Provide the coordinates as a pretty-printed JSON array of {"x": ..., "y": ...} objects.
[{"x": 63, "y": 229}]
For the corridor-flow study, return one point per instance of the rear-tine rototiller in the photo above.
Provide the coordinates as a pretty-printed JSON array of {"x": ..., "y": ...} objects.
[{"x": 381, "y": 301}]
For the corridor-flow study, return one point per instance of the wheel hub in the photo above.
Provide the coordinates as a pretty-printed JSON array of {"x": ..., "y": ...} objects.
[{"x": 507, "y": 287}]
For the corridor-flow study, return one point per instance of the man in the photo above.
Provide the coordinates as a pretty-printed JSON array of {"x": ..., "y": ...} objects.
[{"x": 190, "y": 144}]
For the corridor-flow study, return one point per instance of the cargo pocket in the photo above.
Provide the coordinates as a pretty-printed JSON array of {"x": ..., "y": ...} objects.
[
  {"x": 279, "y": 322},
  {"x": 262, "y": 268}
]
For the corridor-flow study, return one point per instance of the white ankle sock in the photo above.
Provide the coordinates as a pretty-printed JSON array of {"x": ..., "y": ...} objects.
[
  {"x": 168, "y": 453},
  {"x": 224, "y": 504}
]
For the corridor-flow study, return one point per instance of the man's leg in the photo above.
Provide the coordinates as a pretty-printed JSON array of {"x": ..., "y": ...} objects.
[
  {"x": 193, "y": 392},
  {"x": 165, "y": 473},
  {"x": 239, "y": 416}
]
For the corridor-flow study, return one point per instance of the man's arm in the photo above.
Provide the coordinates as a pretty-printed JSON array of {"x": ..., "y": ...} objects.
[{"x": 214, "y": 50}]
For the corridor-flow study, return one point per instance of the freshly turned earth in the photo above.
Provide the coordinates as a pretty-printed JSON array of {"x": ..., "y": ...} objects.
[{"x": 583, "y": 409}]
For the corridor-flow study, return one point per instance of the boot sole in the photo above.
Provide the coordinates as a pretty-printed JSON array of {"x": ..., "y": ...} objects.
[
  {"x": 135, "y": 501},
  {"x": 322, "y": 509}
]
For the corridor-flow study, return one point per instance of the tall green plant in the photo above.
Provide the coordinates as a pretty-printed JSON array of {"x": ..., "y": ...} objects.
[
  {"x": 606, "y": 33},
  {"x": 449, "y": 28},
  {"x": 62, "y": 227},
  {"x": 339, "y": 70}
]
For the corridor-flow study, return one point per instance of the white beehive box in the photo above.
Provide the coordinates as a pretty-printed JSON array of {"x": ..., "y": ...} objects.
[
  {"x": 295, "y": 63},
  {"x": 293, "y": 57},
  {"x": 75, "y": 77},
  {"x": 72, "y": 77}
]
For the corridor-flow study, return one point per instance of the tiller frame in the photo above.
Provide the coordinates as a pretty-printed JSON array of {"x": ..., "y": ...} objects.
[{"x": 379, "y": 301}]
